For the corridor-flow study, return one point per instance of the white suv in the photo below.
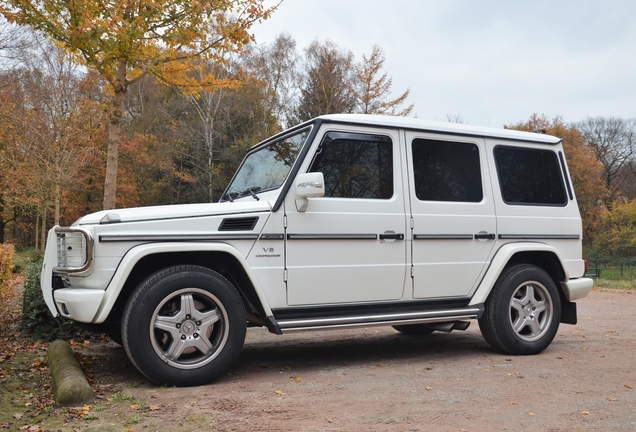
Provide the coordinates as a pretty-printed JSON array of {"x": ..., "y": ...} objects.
[{"x": 342, "y": 221}]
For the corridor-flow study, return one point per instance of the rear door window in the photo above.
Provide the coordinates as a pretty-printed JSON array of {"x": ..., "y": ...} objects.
[{"x": 446, "y": 171}]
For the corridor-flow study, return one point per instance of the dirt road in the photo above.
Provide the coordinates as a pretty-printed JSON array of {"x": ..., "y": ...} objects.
[{"x": 375, "y": 379}]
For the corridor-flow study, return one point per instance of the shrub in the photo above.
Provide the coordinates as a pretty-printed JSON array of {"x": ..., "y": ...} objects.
[
  {"x": 6, "y": 258},
  {"x": 37, "y": 318}
]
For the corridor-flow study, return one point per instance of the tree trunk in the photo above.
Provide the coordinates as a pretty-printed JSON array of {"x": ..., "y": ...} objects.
[
  {"x": 37, "y": 232},
  {"x": 43, "y": 229},
  {"x": 114, "y": 137},
  {"x": 57, "y": 204}
]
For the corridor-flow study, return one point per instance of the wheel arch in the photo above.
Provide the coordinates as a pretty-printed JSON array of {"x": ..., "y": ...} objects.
[
  {"x": 143, "y": 260},
  {"x": 541, "y": 255}
]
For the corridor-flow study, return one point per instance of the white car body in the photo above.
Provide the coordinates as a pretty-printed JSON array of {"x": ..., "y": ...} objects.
[{"x": 302, "y": 261}]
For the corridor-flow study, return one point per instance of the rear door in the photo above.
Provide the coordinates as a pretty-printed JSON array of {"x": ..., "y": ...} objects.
[{"x": 453, "y": 214}]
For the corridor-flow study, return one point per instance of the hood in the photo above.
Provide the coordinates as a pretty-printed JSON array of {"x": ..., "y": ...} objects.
[{"x": 176, "y": 211}]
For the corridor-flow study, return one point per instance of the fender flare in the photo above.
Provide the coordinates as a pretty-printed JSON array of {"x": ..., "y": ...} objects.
[
  {"x": 499, "y": 261},
  {"x": 134, "y": 255}
]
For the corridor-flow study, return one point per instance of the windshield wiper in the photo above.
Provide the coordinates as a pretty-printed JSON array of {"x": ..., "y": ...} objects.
[
  {"x": 252, "y": 191},
  {"x": 230, "y": 196}
]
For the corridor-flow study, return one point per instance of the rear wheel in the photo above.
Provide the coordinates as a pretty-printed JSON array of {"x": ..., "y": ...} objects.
[
  {"x": 523, "y": 311},
  {"x": 183, "y": 326}
]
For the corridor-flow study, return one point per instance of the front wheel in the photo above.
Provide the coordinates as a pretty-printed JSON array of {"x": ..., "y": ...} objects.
[
  {"x": 523, "y": 311},
  {"x": 184, "y": 326}
]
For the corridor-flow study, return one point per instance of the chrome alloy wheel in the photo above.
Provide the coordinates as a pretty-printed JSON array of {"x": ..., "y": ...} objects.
[
  {"x": 189, "y": 328},
  {"x": 531, "y": 311}
]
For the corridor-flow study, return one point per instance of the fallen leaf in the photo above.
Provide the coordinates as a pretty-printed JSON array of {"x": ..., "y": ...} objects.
[
  {"x": 280, "y": 392},
  {"x": 329, "y": 421},
  {"x": 428, "y": 388},
  {"x": 629, "y": 386},
  {"x": 17, "y": 416},
  {"x": 86, "y": 408},
  {"x": 154, "y": 407},
  {"x": 297, "y": 379},
  {"x": 513, "y": 403},
  {"x": 531, "y": 414},
  {"x": 585, "y": 412},
  {"x": 380, "y": 365},
  {"x": 612, "y": 399},
  {"x": 134, "y": 407}
]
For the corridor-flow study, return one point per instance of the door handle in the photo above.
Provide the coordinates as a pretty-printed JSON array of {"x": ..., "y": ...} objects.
[
  {"x": 391, "y": 236},
  {"x": 484, "y": 236}
]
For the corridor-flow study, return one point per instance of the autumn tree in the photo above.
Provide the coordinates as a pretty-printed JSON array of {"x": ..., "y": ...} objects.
[
  {"x": 613, "y": 140},
  {"x": 585, "y": 170},
  {"x": 54, "y": 126},
  {"x": 618, "y": 234},
  {"x": 125, "y": 40},
  {"x": 372, "y": 87},
  {"x": 327, "y": 82}
]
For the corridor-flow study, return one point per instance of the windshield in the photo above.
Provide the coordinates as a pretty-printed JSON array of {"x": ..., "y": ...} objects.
[{"x": 266, "y": 168}]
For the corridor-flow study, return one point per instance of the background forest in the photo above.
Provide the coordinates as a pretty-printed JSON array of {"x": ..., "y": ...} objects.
[{"x": 180, "y": 143}]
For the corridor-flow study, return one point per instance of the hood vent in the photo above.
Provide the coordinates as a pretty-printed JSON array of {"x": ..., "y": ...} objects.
[{"x": 238, "y": 224}]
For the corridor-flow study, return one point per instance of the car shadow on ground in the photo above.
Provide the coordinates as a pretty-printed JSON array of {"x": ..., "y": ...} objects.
[{"x": 312, "y": 351}]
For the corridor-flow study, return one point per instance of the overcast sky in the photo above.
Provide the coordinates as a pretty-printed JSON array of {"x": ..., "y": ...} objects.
[{"x": 492, "y": 62}]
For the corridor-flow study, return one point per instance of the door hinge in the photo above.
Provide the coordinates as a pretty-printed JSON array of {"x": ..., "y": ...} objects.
[
  {"x": 285, "y": 275},
  {"x": 285, "y": 221}
]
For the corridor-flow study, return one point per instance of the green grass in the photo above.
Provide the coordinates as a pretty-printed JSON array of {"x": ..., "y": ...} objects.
[{"x": 615, "y": 277}]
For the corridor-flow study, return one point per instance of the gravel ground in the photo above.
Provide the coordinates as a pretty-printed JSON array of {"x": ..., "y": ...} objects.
[{"x": 376, "y": 379}]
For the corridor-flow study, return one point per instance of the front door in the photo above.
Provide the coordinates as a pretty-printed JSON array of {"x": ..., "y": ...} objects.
[{"x": 349, "y": 246}]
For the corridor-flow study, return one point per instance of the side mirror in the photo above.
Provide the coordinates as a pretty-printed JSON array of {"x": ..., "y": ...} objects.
[{"x": 308, "y": 185}]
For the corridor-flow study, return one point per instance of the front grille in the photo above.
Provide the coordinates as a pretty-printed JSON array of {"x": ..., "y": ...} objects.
[{"x": 238, "y": 224}]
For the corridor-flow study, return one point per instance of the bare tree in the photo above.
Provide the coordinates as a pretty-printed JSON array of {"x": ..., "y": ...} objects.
[
  {"x": 613, "y": 142},
  {"x": 276, "y": 66},
  {"x": 455, "y": 118},
  {"x": 327, "y": 82}
]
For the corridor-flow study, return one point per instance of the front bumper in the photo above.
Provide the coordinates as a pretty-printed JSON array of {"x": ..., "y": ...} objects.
[{"x": 75, "y": 303}]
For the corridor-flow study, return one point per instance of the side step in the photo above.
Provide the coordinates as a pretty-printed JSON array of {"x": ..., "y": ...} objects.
[{"x": 449, "y": 316}]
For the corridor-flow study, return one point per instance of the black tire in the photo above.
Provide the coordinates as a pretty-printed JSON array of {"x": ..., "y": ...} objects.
[
  {"x": 523, "y": 311},
  {"x": 414, "y": 329},
  {"x": 184, "y": 325}
]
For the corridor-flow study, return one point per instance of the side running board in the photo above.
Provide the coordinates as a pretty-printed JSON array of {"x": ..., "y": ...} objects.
[{"x": 379, "y": 319}]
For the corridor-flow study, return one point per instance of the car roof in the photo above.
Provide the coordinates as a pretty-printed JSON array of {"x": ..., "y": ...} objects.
[{"x": 437, "y": 126}]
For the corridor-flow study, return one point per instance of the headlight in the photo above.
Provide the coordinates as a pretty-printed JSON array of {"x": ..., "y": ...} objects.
[{"x": 74, "y": 249}]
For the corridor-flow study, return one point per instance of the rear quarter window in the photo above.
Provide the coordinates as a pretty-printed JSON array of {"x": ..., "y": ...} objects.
[{"x": 529, "y": 176}]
